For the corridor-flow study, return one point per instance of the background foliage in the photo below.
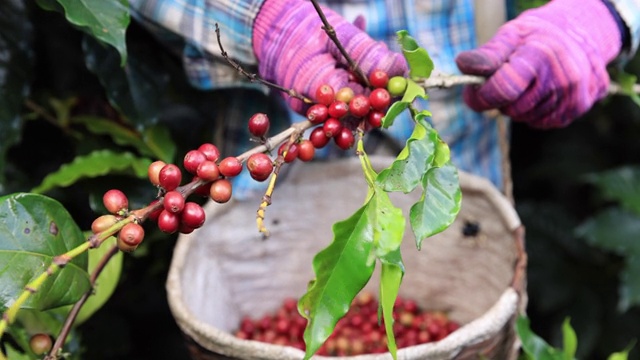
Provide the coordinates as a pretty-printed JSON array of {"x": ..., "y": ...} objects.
[{"x": 64, "y": 99}]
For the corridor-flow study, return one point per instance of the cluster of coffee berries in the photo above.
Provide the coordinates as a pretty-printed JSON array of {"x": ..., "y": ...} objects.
[
  {"x": 359, "y": 332},
  {"x": 260, "y": 166},
  {"x": 117, "y": 203},
  {"x": 338, "y": 114}
]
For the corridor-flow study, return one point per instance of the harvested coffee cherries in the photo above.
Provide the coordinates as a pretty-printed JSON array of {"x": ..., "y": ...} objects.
[{"x": 357, "y": 333}]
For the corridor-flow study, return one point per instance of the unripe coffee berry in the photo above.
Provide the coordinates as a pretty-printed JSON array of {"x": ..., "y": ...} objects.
[
  {"x": 40, "y": 344},
  {"x": 154, "y": 172},
  {"x": 131, "y": 234},
  {"x": 220, "y": 191},
  {"x": 208, "y": 171},
  {"x": 173, "y": 201},
  {"x": 230, "y": 166},
  {"x": 306, "y": 150},
  {"x": 325, "y": 94},
  {"x": 168, "y": 222},
  {"x": 193, "y": 159},
  {"x": 260, "y": 166},
  {"x": 170, "y": 177},
  {"x": 318, "y": 138},
  {"x": 317, "y": 113},
  {"x": 345, "y": 94},
  {"x": 359, "y": 106},
  {"x": 115, "y": 201},
  {"x": 193, "y": 215},
  {"x": 259, "y": 125},
  {"x": 397, "y": 86},
  {"x": 102, "y": 223},
  {"x": 210, "y": 151}
]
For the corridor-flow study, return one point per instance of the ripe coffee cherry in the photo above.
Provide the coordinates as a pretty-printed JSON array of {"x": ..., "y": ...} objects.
[
  {"x": 317, "y": 113},
  {"x": 40, "y": 344},
  {"x": 230, "y": 166},
  {"x": 380, "y": 99},
  {"x": 345, "y": 94},
  {"x": 102, "y": 223},
  {"x": 154, "y": 172},
  {"x": 378, "y": 79},
  {"x": 325, "y": 94},
  {"x": 193, "y": 159},
  {"x": 185, "y": 229},
  {"x": 345, "y": 139},
  {"x": 210, "y": 151},
  {"x": 173, "y": 201},
  {"x": 260, "y": 166},
  {"x": 168, "y": 222},
  {"x": 220, "y": 191},
  {"x": 332, "y": 127},
  {"x": 338, "y": 109},
  {"x": 115, "y": 201},
  {"x": 374, "y": 118},
  {"x": 193, "y": 215},
  {"x": 306, "y": 150},
  {"x": 359, "y": 106},
  {"x": 131, "y": 234},
  {"x": 259, "y": 125},
  {"x": 397, "y": 86},
  {"x": 170, "y": 177},
  {"x": 292, "y": 153},
  {"x": 318, "y": 138},
  {"x": 208, "y": 171}
]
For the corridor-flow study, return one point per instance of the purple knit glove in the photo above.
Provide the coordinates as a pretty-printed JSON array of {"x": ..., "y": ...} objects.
[
  {"x": 294, "y": 51},
  {"x": 547, "y": 66}
]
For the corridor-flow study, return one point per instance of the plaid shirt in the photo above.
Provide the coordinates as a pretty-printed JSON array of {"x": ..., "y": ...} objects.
[{"x": 443, "y": 27}]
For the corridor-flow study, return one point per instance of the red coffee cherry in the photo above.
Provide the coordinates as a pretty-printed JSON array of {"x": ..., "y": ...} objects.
[
  {"x": 260, "y": 166},
  {"x": 345, "y": 139},
  {"x": 40, "y": 344},
  {"x": 378, "y": 79},
  {"x": 193, "y": 215},
  {"x": 220, "y": 191},
  {"x": 345, "y": 94},
  {"x": 210, "y": 151},
  {"x": 170, "y": 177},
  {"x": 131, "y": 234},
  {"x": 259, "y": 125},
  {"x": 292, "y": 153},
  {"x": 359, "y": 106},
  {"x": 193, "y": 159},
  {"x": 380, "y": 99},
  {"x": 374, "y": 118},
  {"x": 102, "y": 223},
  {"x": 168, "y": 222},
  {"x": 306, "y": 150},
  {"x": 338, "y": 109},
  {"x": 154, "y": 172},
  {"x": 332, "y": 127},
  {"x": 317, "y": 113},
  {"x": 115, "y": 201},
  {"x": 173, "y": 201},
  {"x": 230, "y": 166},
  {"x": 202, "y": 190},
  {"x": 318, "y": 138},
  {"x": 208, "y": 171},
  {"x": 325, "y": 94}
]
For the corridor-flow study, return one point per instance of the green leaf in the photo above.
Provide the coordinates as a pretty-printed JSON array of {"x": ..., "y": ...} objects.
[
  {"x": 624, "y": 354},
  {"x": 621, "y": 185},
  {"x": 16, "y": 67},
  {"x": 413, "y": 91},
  {"x": 390, "y": 279},
  {"x": 342, "y": 269},
  {"x": 106, "y": 20},
  {"x": 439, "y": 204},
  {"x": 394, "y": 110},
  {"x": 158, "y": 139},
  {"x": 106, "y": 282},
  {"x": 34, "y": 229},
  {"x": 627, "y": 82},
  {"x": 420, "y": 63},
  {"x": 387, "y": 221},
  {"x": 569, "y": 340},
  {"x": 534, "y": 346},
  {"x": 14, "y": 354},
  {"x": 407, "y": 171},
  {"x": 97, "y": 163},
  {"x": 136, "y": 90}
]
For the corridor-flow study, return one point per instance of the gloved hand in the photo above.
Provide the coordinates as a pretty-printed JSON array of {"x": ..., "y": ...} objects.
[
  {"x": 547, "y": 66},
  {"x": 294, "y": 51}
]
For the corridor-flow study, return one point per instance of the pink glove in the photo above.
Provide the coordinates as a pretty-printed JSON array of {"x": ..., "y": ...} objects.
[
  {"x": 294, "y": 51},
  {"x": 547, "y": 66}
]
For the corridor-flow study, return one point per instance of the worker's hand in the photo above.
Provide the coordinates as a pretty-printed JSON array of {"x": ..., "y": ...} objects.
[
  {"x": 294, "y": 51},
  {"x": 547, "y": 66}
]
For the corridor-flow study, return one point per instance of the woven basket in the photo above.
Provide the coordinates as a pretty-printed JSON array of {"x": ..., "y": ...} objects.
[{"x": 225, "y": 270}]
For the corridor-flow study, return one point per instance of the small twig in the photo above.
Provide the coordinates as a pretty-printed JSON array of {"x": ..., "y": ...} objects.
[
  {"x": 331, "y": 32},
  {"x": 31, "y": 105},
  {"x": 73, "y": 314},
  {"x": 255, "y": 78}
]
